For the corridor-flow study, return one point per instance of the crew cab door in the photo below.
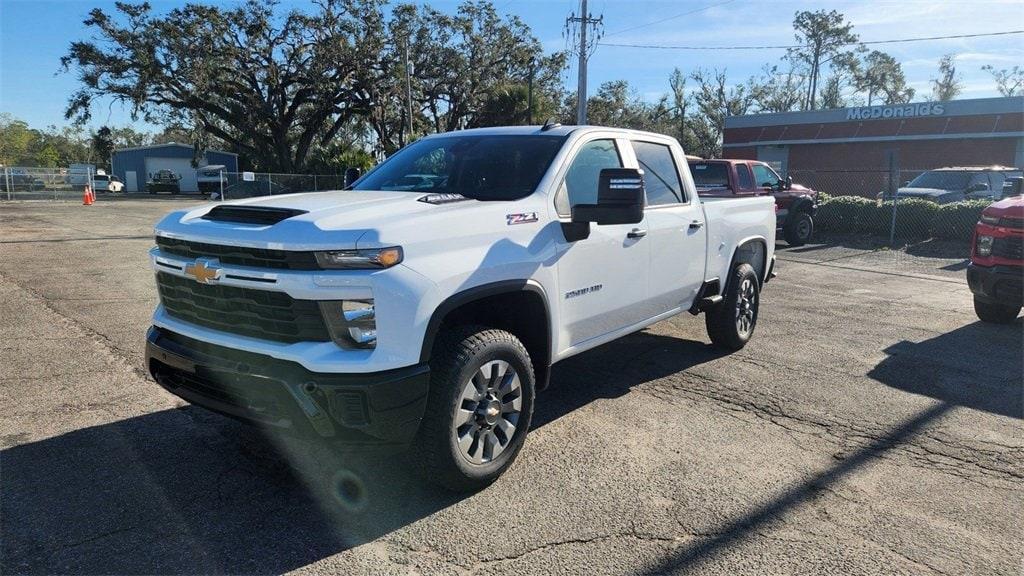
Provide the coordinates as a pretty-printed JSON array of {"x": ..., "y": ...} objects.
[
  {"x": 602, "y": 279},
  {"x": 676, "y": 227}
]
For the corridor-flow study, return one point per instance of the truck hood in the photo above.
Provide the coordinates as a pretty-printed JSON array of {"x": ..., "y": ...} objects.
[
  {"x": 1007, "y": 208},
  {"x": 332, "y": 220},
  {"x": 926, "y": 193}
]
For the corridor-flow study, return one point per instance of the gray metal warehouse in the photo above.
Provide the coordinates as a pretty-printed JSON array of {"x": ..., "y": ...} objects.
[{"x": 135, "y": 166}]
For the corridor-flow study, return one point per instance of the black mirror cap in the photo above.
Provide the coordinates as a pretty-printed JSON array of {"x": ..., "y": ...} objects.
[
  {"x": 1013, "y": 186},
  {"x": 351, "y": 175},
  {"x": 620, "y": 198},
  {"x": 789, "y": 182}
]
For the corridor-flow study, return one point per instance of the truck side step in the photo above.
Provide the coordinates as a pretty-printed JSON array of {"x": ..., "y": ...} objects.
[{"x": 709, "y": 302}]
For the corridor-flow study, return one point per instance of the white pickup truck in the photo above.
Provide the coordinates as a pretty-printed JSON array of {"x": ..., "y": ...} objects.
[{"x": 426, "y": 304}]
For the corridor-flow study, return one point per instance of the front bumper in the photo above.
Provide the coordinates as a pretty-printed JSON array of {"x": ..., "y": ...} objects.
[
  {"x": 999, "y": 284},
  {"x": 377, "y": 408}
]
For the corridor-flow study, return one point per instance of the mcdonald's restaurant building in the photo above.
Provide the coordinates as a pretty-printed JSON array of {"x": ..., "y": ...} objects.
[{"x": 924, "y": 135}]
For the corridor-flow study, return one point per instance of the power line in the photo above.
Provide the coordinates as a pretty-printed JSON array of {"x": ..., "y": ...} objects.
[
  {"x": 668, "y": 18},
  {"x": 787, "y": 46}
]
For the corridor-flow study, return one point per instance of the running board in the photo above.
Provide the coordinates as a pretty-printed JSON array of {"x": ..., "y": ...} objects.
[
  {"x": 709, "y": 302},
  {"x": 704, "y": 303}
]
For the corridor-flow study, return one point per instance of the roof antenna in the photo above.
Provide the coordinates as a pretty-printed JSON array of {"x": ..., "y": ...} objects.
[{"x": 549, "y": 124}]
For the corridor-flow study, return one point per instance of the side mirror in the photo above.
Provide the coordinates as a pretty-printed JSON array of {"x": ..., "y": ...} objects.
[
  {"x": 1013, "y": 186},
  {"x": 906, "y": 183},
  {"x": 351, "y": 175},
  {"x": 620, "y": 199},
  {"x": 979, "y": 187},
  {"x": 789, "y": 183}
]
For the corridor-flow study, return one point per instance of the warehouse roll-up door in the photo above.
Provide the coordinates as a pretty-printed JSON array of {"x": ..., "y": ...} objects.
[{"x": 180, "y": 166}]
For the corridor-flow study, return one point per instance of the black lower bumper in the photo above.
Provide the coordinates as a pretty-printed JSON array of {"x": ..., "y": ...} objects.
[
  {"x": 375, "y": 408},
  {"x": 1000, "y": 284}
]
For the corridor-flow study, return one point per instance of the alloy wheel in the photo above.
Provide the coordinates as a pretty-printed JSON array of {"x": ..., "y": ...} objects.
[{"x": 488, "y": 411}]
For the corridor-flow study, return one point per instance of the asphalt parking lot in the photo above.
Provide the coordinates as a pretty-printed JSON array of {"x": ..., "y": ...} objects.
[{"x": 873, "y": 426}]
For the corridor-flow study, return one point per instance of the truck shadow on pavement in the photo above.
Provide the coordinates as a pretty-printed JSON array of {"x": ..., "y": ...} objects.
[
  {"x": 944, "y": 368},
  {"x": 184, "y": 491}
]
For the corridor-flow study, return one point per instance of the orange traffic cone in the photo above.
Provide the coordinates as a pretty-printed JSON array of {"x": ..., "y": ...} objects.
[
  {"x": 87, "y": 198},
  {"x": 92, "y": 194}
]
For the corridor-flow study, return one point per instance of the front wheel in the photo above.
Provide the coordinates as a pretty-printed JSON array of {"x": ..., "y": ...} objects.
[
  {"x": 478, "y": 409},
  {"x": 798, "y": 229},
  {"x": 731, "y": 324},
  {"x": 995, "y": 312}
]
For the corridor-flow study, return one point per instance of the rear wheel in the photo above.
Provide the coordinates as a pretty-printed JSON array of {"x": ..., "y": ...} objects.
[
  {"x": 731, "y": 324},
  {"x": 798, "y": 229},
  {"x": 478, "y": 410},
  {"x": 995, "y": 312}
]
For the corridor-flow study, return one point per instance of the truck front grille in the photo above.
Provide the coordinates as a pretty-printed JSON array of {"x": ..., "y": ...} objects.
[
  {"x": 255, "y": 313},
  {"x": 1011, "y": 248},
  {"x": 240, "y": 256}
]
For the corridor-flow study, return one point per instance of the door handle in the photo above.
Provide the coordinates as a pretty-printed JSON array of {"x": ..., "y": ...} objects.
[
  {"x": 696, "y": 224},
  {"x": 636, "y": 233}
]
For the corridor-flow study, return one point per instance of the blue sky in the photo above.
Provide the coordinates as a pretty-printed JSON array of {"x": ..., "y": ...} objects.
[{"x": 35, "y": 34}]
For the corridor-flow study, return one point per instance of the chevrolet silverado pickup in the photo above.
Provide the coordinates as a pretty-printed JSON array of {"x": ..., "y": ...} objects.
[
  {"x": 996, "y": 272},
  {"x": 796, "y": 204},
  {"x": 425, "y": 304}
]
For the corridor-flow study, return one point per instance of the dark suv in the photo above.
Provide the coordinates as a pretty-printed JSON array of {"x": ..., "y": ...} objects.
[
  {"x": 945, "y": 185},
  {"x": 795, "y": 204}
]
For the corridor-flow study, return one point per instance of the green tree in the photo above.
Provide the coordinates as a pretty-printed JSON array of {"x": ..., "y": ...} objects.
[
  {"x": 16, "y": 140},
  {"x": 715, "y": 101},
  {"x": 271, "y": 85},
  {"x": 822, "y": 37},
  {"x": 102, "y": 142},
  {"x": 776, "y": 91},
  {"x": 882, "y": 76},
  {"x": 1009, "y": 82},
  {"x": 948, "y": 85}
]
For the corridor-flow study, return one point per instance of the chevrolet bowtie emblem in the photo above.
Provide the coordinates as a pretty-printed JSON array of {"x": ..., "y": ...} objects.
[{"x": 204, "y": 270}]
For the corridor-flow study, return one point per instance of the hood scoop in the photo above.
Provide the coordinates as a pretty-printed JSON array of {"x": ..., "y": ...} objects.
[{"x": 257, "y": 215}]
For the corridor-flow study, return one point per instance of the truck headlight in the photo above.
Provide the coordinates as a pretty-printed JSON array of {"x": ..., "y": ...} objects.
[
  {"x": 990, "y": 220},
  {"x": 984, "y": 246},
  {"x": 359, "y": 259},
  {"x": 352, "y": 323}
]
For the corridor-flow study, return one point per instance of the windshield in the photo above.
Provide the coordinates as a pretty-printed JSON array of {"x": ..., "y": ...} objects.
[
  {"x": 705, "y": 175},
  {"x": 479, "y": 167},
  {"x": 942, "y": 179}
]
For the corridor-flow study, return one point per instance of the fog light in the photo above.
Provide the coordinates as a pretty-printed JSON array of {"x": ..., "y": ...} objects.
[
  {"x": 352, "y": 323},
  {"x": 984, "y": 246}
]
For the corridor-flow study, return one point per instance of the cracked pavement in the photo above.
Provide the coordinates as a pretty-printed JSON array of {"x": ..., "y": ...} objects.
[{"x": 873, "y": 426}]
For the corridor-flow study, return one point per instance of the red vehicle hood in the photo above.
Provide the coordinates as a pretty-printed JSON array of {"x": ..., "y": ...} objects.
[{"x": 1007, "y": 208}]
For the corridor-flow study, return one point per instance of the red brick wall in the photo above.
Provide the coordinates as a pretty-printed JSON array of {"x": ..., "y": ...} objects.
[{"x": 913, "y": 154}]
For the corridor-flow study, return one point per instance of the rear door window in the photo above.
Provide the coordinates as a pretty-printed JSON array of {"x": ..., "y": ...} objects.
[
  {"x": 746, "y": 179},
  {"x": 661, "y": 176}
]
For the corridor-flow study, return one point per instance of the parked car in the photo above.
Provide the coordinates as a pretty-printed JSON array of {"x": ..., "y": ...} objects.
[
  {"x": 107, "y": 183},
  {"x": 428, "y": 316},
  {"x": 946, "y": 185},
  {"x": 163, "y": 181},
  {"x": 996, "y": 272},
  {"x": 211, "y": 178},
  {"x": 723, "y": 178}
]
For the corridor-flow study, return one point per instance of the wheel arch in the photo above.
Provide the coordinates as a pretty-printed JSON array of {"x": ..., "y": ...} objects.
[
  {"x": 511, "y": 305},
  {"x": 753, "y": 251}
]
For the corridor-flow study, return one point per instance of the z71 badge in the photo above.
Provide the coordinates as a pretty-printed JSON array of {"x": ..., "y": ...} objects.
[{"x": 524, "y": 218}]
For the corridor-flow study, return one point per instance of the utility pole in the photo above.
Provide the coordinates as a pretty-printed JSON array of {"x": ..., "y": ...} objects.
[
  {"x": 584, "y": 20},
  {"x": 408, "y": 89}
]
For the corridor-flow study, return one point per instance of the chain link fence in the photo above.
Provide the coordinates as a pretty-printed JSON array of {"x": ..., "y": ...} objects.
[
  {"x": 903, "y": 205},
  {"x": 236, "y": 185},
  {"x": 68, "y": 184},
  {"x": 23, "y": 183}
]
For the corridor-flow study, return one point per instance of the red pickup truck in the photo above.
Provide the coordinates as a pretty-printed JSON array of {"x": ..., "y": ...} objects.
[
  {"x": 996, "y": 272},
  {"x": 795, "y": 204}
]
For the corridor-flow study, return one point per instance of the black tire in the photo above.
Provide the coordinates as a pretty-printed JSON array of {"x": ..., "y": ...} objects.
[
  {"x": 995, "y": 312},
  {"x": 459, "y": 356},
  {"x": 742, "y": 295},
  {"x": 799, "y": 229}
]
